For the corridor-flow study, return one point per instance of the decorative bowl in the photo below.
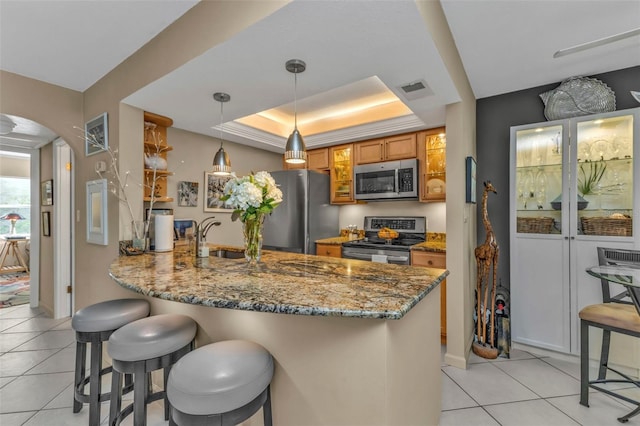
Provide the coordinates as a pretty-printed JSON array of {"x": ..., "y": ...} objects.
[{"x": 556, "y": 204}]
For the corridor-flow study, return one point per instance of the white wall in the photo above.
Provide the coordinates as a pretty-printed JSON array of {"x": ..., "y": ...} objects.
[{"x": 434, "y": 212}]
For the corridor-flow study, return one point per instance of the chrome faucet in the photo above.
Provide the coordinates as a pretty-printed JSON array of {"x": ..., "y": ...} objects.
[{"x": 202, "y": 229}]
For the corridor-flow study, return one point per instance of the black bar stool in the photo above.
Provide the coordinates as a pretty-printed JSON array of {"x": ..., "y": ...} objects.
[
  {"x": 139, "y": 348},
  {"x": 223, "y": 384},
  {"x": 94, "y": 324}
]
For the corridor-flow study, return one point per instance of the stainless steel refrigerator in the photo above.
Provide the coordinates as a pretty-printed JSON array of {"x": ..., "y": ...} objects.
[{"x": 305, "y": 214}]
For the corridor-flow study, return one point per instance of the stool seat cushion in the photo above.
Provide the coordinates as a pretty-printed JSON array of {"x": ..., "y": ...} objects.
[
  {"x": 109, "y": 315},
  {"x": 151, "y": 337},
  {"x": 219, "y": 377},
  {"x": 617, "y": 315}
]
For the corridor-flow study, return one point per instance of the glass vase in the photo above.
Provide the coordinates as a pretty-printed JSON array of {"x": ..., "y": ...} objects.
[
  {"x": 139, "y": 235},
  {"x": 252, "y": 229}
]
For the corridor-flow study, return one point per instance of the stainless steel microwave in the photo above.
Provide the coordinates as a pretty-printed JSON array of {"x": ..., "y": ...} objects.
[{"x": 388, "y": 180}]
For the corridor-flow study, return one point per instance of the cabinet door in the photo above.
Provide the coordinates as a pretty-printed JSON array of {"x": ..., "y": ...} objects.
[
  {"x": 318, "y": 159},
  {"x": 435, "y": 260},
  {"x": 341, "y": 158},
  {"x": 400, "y": 147},
  {"x": 329, "y": 250},
  {"x": 604, "y": 173},
  {"x": 369, "y": 151},
  {"x": 432, "y": 153}
]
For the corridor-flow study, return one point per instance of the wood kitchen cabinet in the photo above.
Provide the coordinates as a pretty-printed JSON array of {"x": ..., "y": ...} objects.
[
  {"x": 435, "y": 260},
  {"x": 329, "y": 250},
  {"x": 432, "y": 153},
  {"x": 317, "y": 160},
  {"x": 155, "y": 155},
  {"x": 341, "y": 162},
  {"x": 386, "y": 149}
]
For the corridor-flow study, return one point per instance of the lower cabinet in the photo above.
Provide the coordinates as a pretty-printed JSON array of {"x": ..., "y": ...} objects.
[
  {"x": 435, "y": 260},
  {"x": 330, "y": 250}
]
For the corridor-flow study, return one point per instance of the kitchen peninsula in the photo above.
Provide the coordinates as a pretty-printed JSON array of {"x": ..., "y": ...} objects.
[{"x": 355, "y": 343}]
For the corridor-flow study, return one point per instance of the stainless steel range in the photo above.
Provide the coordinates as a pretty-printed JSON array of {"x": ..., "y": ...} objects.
[{"x": 411, "y": 230}]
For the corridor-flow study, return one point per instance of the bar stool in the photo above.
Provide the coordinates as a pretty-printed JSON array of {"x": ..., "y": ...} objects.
[
  {"x": 139, "y": 348},
  {"x": 94, "y": 324},
  {"x": 222, "y": 383}
]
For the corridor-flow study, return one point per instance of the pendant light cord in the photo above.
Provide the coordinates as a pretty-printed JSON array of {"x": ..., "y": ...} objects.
[
  {"x": 221, "y": 122},
  {"x": 295, "y": 101}
]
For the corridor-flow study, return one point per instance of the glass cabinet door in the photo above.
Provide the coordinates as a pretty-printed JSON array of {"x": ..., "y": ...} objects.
[
  {"x": 342, "y": 174},
  {"x": 604, "y": 175},
  {"x": 538, "y": 179},
  {"x": 436, "y": 179}
]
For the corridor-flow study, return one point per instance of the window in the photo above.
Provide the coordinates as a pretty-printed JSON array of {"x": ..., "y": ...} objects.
[{"x": 15, "y": 197}]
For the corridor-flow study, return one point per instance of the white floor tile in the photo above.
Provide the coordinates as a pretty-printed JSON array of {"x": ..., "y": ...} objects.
[
  {"x": 54, "y": 339},
  {"x": 36, "y": 324},
  {"x": 8, "y": 323},
  {"x": 9, "y": 341},
  {"x": 22, "y": 311},
  {"x": 529, "y": 413},
  {"x": 60, "y": 362},
  {"x": 5, "y": 380},
  {"x": 602, "y": 410},
  {"x": 466, "y": 417},
  {"x": 453, "y": 397},
  {"x": 28, "y": 393},
  {"x": 64, "y": 326},
  {"x": 15, "y": 419},
  {"x": 542, "y": 378},
  {"x": 16, "y": 363},
  {"x": 59, "y": 417},
  {"x": 515, "y": 354},
  {"x": 487, "y": 384}
]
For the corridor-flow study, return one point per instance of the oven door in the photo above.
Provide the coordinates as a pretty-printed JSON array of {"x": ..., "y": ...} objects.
[{"x": 396, "y": 258}]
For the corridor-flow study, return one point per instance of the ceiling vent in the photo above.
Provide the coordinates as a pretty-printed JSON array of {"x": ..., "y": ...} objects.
[{"x": 415, "y": 90}]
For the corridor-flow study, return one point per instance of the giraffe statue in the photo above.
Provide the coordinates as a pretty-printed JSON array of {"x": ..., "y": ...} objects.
[{"x": 486, "y": 258}]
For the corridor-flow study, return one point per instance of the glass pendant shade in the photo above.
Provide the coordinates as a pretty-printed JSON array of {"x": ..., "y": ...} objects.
[
  {"x": 295, "y": 152},
  {"x": 221, "y": 163}
]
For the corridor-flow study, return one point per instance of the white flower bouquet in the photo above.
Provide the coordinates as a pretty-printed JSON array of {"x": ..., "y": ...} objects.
[{"x": 252, "y": 197}]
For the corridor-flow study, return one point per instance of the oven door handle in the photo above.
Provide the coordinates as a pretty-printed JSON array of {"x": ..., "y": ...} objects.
[
  {"x": 397, "y": 258},
  {"x": 357, "y": 256}
]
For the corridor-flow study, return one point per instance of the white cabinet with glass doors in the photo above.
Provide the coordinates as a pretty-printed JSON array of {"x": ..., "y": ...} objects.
[{"x": 572, "y": 190}]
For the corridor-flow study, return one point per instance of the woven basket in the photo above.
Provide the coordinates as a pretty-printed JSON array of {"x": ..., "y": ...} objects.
[
  {"x": 535, "y": 225},
  {"x": 606, "y": 226}
]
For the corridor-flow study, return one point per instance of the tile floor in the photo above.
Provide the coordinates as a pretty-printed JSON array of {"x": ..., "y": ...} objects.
[{"x": 36, "y": 376}]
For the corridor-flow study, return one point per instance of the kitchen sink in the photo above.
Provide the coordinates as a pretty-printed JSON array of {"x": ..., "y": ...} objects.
[{"x": 228, "y": 254}]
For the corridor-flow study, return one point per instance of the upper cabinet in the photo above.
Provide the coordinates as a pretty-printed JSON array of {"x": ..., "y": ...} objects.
[
  {"x": 432, "y": 153},
  {"x": 155, "y": 157},
  {"x": 387, "y": 149},
  {"x": 318, "y": 159},
  {"x": 341, "y": 163}
]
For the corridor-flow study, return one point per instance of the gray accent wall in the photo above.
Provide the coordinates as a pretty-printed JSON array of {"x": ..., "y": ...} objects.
[{"x": 494, "y": 117}]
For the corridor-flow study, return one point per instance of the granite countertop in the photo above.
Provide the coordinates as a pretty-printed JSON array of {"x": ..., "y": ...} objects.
[
  {"x": 286, "y": 283},
  {"x": 334, "y": 240}
]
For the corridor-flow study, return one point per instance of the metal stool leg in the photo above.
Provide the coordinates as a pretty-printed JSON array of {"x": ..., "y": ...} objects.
[
  {"x": 604, "y": 355},
  {"x": 140, "y": 393},
  {"x": 94, "y": 383},
  {"x": 266, "y": 408},
  {"x": 584, "y": 363},
  {"x": 81, "y": 359},
  {"x": 116, "y": 397}
]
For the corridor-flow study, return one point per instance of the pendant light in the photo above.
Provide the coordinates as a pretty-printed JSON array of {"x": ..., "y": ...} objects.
[
  {"x": 295, "y": 151},
  {"x": 221, "y": 161}
]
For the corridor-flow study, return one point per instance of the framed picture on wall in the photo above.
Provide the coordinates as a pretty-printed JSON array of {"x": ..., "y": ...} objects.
[
  {"x": 187, "y": 194},
  {"x": 46, "y": 193},
  {"x": 214, "y": 188},
  {"x": 471, "y": 180},
  {"x": 96, "y": 135},
  {"x": 46, "y": 224}
]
